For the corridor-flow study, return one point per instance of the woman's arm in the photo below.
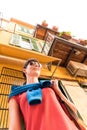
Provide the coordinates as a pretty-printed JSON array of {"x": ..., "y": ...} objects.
[
  {"x": 70, "y": 104},
  {"x": 60, "y": 94},
  {"x": 14, "y": 115}
]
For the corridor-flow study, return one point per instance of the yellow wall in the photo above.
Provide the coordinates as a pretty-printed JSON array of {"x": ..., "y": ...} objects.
[{"x": 60, "y": 73}]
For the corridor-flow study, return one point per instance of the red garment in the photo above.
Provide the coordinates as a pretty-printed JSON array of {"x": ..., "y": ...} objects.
[{"x": 48, "y": 115}]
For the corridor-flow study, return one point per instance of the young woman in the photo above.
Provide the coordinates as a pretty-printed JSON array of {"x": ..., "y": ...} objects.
[{"x": 47, "y": 114}]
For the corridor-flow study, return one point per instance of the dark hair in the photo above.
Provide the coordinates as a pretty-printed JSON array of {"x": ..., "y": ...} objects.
[{"x": 27, "y": 62}]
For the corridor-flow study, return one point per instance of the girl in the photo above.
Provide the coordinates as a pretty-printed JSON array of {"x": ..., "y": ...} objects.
[{"x": 45, "y": 115}]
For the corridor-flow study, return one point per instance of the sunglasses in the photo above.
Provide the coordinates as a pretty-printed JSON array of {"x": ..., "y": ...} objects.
[{"x": 33, "y": 63}]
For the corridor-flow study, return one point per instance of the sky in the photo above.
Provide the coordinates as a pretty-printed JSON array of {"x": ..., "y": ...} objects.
[{"x": 67, "y": 15}]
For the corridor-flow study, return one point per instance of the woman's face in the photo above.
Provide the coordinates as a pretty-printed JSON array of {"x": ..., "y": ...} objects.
[{"x": 33, "y": 69}]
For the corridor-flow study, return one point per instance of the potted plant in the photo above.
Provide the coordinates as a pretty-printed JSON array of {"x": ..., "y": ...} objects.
[
  {"x": 44, "y": 23},
  {"x": 66, "y": 35},
  {"x": 55, "y": 28},
  {"x": 83, "y": 42}
]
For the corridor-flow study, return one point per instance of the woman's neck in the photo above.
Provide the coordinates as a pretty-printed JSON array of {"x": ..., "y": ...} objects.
[{"x": 31, "y": 80}]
